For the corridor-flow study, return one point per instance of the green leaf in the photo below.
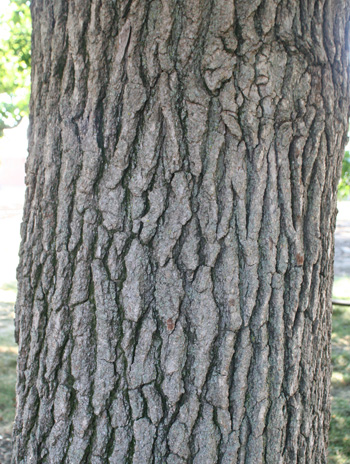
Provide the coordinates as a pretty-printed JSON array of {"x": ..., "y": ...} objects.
[{"x": 15, "y": 44}]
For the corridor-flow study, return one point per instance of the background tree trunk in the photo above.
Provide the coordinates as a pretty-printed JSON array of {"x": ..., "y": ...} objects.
[{"x": 177, "y": 244}]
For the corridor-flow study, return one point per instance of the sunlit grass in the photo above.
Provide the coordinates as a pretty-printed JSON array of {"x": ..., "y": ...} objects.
[
  {"x": 339, "y": 449},
  {"x": 339, "y": 439},
  {"x": 340, "y": 380},
  {"x": 7, "y": 388}
]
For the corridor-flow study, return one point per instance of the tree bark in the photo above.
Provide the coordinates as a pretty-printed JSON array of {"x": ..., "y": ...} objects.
[{"x": 176, "y": 263}]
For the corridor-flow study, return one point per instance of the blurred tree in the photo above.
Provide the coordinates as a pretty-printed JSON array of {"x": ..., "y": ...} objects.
[{"x": 15, "y": 26}]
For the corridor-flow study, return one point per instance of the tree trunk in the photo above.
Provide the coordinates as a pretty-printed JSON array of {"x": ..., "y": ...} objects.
[{"x": 176, "y": 262}]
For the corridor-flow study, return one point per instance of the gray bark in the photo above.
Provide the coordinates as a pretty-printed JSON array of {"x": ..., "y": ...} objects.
[{"x": 176, "y": 262}]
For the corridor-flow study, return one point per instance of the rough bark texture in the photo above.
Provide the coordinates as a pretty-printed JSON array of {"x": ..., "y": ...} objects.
[{"x": 177, "y": 242}]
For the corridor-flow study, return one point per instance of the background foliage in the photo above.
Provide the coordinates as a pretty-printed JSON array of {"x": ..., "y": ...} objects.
[
  {"x": 15, "y": 27},
  {"x": 344, "y": 184}
]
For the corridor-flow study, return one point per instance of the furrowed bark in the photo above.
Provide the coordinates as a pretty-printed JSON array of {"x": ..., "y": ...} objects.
[{"x": 176, "y": 263}]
